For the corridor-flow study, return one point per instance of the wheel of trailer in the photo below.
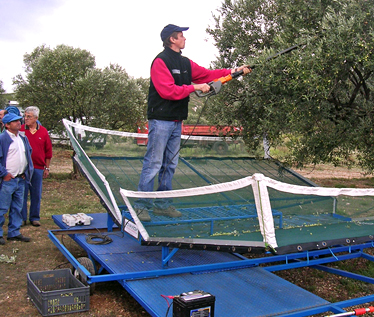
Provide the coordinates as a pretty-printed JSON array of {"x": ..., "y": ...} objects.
[
  {"x": 220, "y": 147},
  {"x": 89, "y": 266}
]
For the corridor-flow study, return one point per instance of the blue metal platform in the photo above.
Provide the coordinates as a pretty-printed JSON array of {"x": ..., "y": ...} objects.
[
  {"x": 240, "y": 292},
  {"x": 240, "y": 286},
  {"x": 237, "y": 291}
]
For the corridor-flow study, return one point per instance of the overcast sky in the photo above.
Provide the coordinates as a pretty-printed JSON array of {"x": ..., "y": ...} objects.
[{"x": 115, "y": 31}]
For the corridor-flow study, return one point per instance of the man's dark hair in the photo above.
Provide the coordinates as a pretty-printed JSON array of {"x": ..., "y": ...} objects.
[{"x": 167, "y": 42}]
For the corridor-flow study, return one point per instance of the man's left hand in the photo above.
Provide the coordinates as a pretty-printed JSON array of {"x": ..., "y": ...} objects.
[
  {"x": 245, "y": 68},
  {"x": 45, "y": 173}
]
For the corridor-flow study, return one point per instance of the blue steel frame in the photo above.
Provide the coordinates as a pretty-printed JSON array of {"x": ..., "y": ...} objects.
[
  {"x": 211, "y": 220},
  {"x": 314, "y": 259}
]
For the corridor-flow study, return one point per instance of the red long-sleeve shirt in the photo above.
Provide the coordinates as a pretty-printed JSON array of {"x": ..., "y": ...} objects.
[
  {"x": 41, "y": 145},
  {"x": 166, "y": 87}
]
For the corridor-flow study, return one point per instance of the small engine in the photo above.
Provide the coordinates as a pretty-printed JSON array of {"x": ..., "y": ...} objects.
[{"x": 80, "y": 219}]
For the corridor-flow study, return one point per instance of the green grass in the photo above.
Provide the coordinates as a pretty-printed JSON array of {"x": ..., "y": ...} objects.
[{"x": 64, "y": 194}]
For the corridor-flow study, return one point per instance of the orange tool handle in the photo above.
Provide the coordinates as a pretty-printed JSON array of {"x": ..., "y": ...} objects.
[
  {"x": 229, "y": 77},
  {"x": 225, "y": 79},
  {"x": 216, "y": 84},
  {"x": 363, "y": 311}
]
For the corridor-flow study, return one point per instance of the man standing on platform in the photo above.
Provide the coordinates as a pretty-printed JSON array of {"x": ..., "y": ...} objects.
[
  {"x": 173, "y": 78},
  {"x": 41, "y": 157},
  {"x": 16, "y": 169}
]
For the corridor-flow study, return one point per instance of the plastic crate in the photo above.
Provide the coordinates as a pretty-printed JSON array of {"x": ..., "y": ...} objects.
[{"x": 57, "y": 292}]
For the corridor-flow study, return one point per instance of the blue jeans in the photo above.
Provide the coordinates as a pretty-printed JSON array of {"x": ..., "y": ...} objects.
[
  {"x": 11, "y": 198},
  {"x": 35, "y": 196},
  {"x": 164, "y": 138}
]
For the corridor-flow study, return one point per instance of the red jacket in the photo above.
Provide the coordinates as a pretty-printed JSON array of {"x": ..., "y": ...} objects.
[
  {"x": 41, "y": 145},
  {"x": 170, "y": 85},
  {"x": 166, "y": 87}
]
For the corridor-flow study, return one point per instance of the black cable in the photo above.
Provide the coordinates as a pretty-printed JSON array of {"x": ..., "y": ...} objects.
[
  {"x": 103, "y": 238},
  {"x": 98, "y": 239},
  {"x": 167, "y": 312},
  {"x": 197, "y": 122},
  {"x": 124, "y": 222}
]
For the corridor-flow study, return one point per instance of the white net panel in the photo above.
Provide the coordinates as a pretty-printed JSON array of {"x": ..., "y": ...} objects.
[{"x": 228, "y": 201}]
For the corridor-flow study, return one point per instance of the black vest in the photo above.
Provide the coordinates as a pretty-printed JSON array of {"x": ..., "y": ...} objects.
[{"x": 169, "y": 110}]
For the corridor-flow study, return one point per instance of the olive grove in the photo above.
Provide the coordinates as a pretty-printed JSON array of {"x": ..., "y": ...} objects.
[
  {"x": 64, "y": 83},
  {"x": 316, "y": 100}
]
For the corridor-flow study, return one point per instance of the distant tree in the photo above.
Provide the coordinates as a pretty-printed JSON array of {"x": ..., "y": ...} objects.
[
  {"x": 50, "y": 80},
  {"x": 143, "y": 83},
  {"x": 64, "y": 83},
  {"x": 317, "y": 101},
  {"x": 110, "y": 99}
]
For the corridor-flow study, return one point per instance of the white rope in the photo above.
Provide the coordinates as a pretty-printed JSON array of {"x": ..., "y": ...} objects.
[
  {"x": 318, "y": 191},
  {"x": 139, "y": 135},
  {"x": 196, "y": 191}
]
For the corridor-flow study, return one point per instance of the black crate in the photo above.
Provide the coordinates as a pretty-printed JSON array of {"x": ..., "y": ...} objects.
[{"x": 57, "y": 292}]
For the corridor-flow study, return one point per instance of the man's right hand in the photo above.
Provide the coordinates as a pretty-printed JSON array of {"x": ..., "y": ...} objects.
[
  {"x": 7, "y": 177},
  {"x": 202, "y": 87}
]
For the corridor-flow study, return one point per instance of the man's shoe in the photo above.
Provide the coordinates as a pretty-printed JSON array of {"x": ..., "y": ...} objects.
[
  {"x": 143, "y": 214},
  {"x": 20, "y": 237},
  {"x": 2, "y": 241},
  {"x": 170, "y": 212},
  {"x": 24, "y": 223},
  {"x": 35, "y": 223}
]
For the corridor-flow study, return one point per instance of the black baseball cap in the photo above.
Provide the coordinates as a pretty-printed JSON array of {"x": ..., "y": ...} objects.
[{"x": 170, "y": 29}]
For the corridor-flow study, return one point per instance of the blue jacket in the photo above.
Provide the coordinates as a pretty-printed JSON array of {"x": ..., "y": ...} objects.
[{"x": 5, "y": 142}]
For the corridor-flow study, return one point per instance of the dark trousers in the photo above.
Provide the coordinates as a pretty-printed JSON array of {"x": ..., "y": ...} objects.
[{"x": 35, "y": 196}]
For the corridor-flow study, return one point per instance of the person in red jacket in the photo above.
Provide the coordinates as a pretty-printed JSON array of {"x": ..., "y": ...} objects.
[
  {"x": 2, "y": 114},
  {"x": 41, "y": 157}
]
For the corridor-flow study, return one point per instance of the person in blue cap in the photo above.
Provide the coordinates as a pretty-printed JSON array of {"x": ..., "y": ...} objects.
[
  {"x": 173, "y": 78},
  {"x": 15, "y": 110},
  {"x": 16, "y": 168}
]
